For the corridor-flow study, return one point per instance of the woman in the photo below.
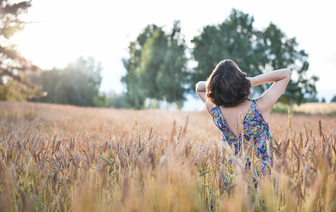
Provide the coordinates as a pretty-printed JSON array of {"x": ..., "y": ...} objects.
[{"x": 225, "y": 96}]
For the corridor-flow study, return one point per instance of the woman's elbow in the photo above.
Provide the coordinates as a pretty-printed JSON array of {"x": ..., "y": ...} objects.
[
  {"x": 200, "y": 86},
  {"x": 289, "y": 73},
  {"x": 197, "y": 86}
]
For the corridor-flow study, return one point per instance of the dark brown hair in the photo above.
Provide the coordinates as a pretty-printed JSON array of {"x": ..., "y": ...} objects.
[{"x": 227, "y": 85}]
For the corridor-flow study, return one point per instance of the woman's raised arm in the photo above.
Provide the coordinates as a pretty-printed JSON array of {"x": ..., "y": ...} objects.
[
  {"x": 201, "y": 92},
  {"x": 268, "y": 99},
  {"x": 273, "y": 76}
]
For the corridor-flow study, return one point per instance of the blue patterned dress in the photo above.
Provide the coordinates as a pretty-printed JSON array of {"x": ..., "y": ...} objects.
[{"x": 254, "y": 127}]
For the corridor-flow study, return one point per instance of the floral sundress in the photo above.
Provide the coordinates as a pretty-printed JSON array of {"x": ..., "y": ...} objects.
[{"x": 254, "y": 127}]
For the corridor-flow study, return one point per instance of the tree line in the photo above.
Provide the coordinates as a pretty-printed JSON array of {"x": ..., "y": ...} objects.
[
  {"x": 157, "y": 67},
  {"x": 157, "y": 64},
  {"x": 21, "y": 80}
]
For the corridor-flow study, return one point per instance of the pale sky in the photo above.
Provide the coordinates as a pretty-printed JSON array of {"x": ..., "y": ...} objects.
[{"x": 67, "y": 29}]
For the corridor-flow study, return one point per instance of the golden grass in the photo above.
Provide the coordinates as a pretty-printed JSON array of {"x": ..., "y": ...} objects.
[
  {"x": 316, "y": 108},
  {"x": 66, "y": 158},
  {"x": 312, "y": 108}
]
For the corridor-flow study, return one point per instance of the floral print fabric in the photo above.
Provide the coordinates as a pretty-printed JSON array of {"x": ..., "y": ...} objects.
[{"x": 256, "y": 130}]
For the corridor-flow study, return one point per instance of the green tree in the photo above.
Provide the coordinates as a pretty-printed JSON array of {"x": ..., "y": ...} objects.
[
  {"x": 156, "y": 68},
  {"x": 77, "y": 84},
  {"x": 323, "y": 100},
  {"x": 14, "y": 68},
  {"x": 152, "y": 57},
  {"x": 282, "y": 52},
  {"x": 255, "y": 52},
  {"x": 333, "y": 99},
  {"x": 172, "y": 75},
  {"x": 101, "y": 100},
  {"x": 49, "y": 80},
  {"x": 235, "y": 39},
  {"x": 117, "y": 100},
  {"x": 312, "y": 99},
  {"x": 134, "y": 95}
]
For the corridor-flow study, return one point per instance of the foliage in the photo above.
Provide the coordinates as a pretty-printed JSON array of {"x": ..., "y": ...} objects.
[
  {"x": 333, "y": 99},
  {"x": 312, "y": 99},
  {"x": 323, "y": 100},
  {"x": 135, "y": 95},
  {"x": 255, "y": 52},
  {"x": 101, "y": 100},
  {"x": 234, "y": 38},
  {"x": 152, "y": 57},
  {"x": 117, "y": 100},
  {"x": 77, "y": 84},
  {"x": 282, "y": 52},
  {"x": 14, "y": 90},
  {"x": 62, "y": 158},
  {"x": 14, "y": 83},
  {"x": 173, "y": 72},
  {"x": 49, "y": 80},
  {"x": 156, "y": 67}
]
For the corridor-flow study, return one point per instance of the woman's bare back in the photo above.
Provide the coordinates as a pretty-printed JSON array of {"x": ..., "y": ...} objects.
[{"x": 234, "y": 116}]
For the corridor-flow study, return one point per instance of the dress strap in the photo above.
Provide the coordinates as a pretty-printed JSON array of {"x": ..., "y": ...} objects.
[
  {"x": 253, "y": 100},
  {"x": 213, "y": 109}
]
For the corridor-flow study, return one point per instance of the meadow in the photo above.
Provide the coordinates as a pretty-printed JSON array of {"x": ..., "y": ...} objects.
[{"x": 67, "y": 158}]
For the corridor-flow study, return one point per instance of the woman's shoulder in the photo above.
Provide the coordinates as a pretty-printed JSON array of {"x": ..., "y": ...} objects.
[{"x": 264, "y": 107}]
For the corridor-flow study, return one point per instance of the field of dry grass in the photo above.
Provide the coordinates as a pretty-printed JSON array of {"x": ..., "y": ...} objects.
[
  {"x": 312, "y": 108},
  {"x": 316, "y": 108},
  {"x": 66, "y": 158}
]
